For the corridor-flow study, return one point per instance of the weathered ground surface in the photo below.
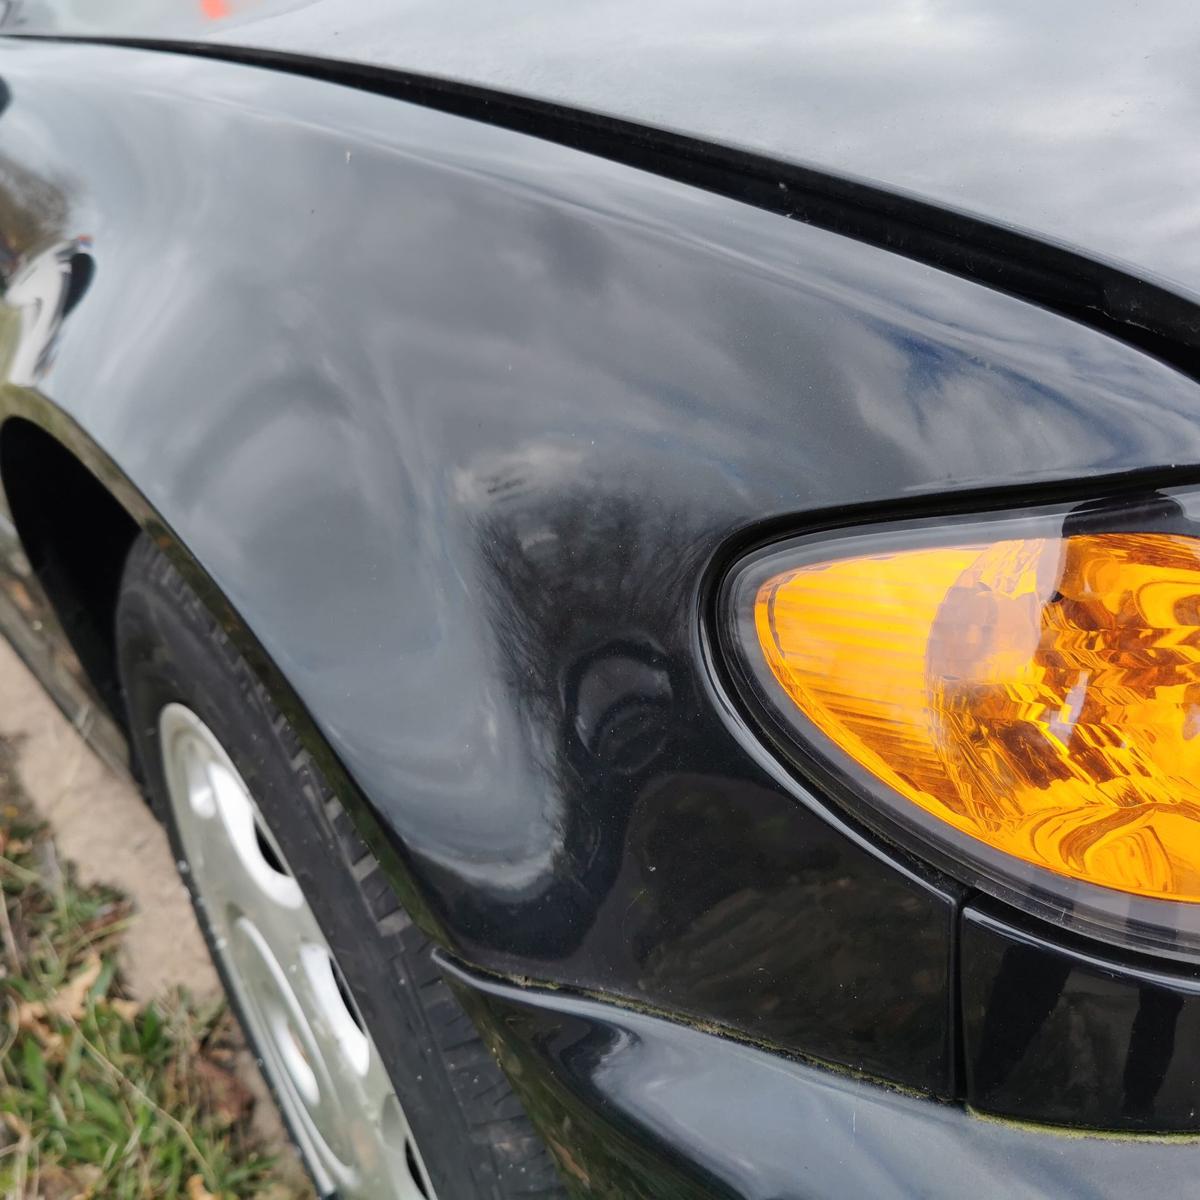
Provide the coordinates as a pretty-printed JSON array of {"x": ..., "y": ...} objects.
[{"x": 102, "y": 825}]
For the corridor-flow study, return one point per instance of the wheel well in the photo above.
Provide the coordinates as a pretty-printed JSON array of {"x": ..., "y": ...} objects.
[{"x": 76, "y": 536}]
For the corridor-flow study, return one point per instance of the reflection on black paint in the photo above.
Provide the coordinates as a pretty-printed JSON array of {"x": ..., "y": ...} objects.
[
  {"x": 621, "y": 698},
  {"x": 597, "y": 1153},
  {"x": 1151, "y": 1048},
  {"x": 1025, "y": 992},
  {"x": 702, "y": 886},
  {"x": 504, "y": 659},
  {"x": 1055, "y": 1035},
  {"x": 34, "y": 210},
  {"x": 598, "y": 717},
  {"x": 772, "y": 1129},
  {"x": 43, "y": 272},
  {"x": 42, "y": 291}
]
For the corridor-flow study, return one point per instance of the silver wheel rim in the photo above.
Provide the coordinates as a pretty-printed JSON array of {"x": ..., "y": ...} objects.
[{"x": 326, "y": 1072}]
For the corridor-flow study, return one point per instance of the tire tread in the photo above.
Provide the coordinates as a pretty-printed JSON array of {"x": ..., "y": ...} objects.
[{"x": 512, "y": 1156}]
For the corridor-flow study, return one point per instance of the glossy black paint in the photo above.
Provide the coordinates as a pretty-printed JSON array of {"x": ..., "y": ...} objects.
[
  {"x": 1075, "y": 120},
  {"x": 618, "y": 1094},
  {"x": 1102, "y": 295},
  {"x": 464, "y": 426},
  {"x": 1068, "y": 1033}
]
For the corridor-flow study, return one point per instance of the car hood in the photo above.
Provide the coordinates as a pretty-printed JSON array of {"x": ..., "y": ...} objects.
[{"x": 1078, "y": 122}]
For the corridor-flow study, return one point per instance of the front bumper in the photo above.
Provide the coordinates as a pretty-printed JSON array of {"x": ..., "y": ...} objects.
[{"x": 637, "y": 1106}]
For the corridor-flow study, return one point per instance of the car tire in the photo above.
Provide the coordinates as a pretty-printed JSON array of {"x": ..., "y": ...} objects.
[{"x": 472, "y": 1138}]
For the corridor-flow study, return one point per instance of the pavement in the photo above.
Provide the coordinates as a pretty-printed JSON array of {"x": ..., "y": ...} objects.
[{"x": 102, "y": 824}]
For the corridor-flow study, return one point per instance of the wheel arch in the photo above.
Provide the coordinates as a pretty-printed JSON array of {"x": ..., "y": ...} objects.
[
  {"x": 76, "y": 535},
  {"x": 76, "y": 511}
]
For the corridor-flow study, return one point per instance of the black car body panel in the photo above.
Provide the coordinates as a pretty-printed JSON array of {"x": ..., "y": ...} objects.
[
  {"x": 623, "y": 1092},
  {"x": 463, "y": 427},
  {"x": 1068, "y": 120},
  {"x": 1068, "y": 1034}
]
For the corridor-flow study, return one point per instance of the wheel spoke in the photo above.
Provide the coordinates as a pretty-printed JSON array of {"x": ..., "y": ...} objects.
[{"x": 326, "y": 1069}]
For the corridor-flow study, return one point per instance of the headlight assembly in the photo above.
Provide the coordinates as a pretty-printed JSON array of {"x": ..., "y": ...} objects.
[{"x": 1017, "y": 696}]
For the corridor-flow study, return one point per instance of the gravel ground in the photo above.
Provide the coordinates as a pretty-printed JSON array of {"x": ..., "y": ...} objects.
[{"x": 103, "y": 826}]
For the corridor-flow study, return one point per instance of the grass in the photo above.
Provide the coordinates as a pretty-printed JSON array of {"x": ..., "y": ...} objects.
[{"x": 99, "y": 1096}]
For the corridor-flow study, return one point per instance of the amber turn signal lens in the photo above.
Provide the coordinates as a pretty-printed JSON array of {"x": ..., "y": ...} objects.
[{"x": 1041, "y": 695}]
